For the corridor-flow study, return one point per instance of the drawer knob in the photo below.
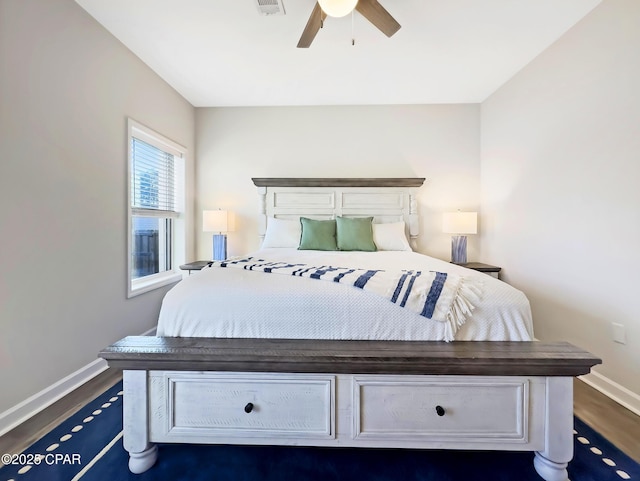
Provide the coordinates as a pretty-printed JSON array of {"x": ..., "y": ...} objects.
[
  {"x": 248, "y": 408},
  {"x": 440, "y": 411}
]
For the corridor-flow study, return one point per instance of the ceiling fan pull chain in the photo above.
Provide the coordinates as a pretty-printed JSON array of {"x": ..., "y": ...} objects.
[{"x": 353, "y": 35}]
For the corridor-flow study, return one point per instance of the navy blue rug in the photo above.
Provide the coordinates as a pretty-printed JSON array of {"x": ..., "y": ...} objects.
[{"x": 88, "y": 447}]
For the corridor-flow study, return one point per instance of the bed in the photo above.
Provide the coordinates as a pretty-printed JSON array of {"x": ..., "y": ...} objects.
[
  {"x": 244, "y": 355},
  {"x": 215, "y": 303}
]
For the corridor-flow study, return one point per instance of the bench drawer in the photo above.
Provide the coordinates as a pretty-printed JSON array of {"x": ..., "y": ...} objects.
[
  {"x": 475, "y": 409},
  {"x": 243, "y": 405}
]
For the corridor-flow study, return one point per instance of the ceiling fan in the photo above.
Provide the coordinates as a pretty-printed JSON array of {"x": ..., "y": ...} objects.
[{"x": 369, "y": 9}]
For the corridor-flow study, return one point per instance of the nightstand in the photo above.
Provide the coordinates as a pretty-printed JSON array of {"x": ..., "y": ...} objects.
[
  {"x": 194, "y": 266},
  {"x": 493, "y": 271}
]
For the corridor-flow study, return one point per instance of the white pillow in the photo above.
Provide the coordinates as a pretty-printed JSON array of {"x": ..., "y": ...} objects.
[
  {"x": 282, "y": 233},
  {"x": 390, "y": 237}
]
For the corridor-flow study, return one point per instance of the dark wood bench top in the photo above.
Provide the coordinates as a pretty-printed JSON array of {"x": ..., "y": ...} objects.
[{"x": 488, "y": 358}]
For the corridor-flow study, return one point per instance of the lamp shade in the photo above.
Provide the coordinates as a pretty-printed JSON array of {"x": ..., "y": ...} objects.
[
  {"x": 337, "y": 8},
  {"x": 460, "y": 222},
  {"x": 216, "y": 221}
]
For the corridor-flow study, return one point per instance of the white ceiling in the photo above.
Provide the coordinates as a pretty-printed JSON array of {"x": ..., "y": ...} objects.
[{"x": 224, "y": 53}]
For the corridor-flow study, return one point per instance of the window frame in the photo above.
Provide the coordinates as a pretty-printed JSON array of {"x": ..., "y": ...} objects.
[{"x": 177, "y": 239}]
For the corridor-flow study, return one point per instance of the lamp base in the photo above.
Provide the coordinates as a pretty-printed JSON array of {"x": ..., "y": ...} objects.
[
  {"x": 459, "y": 249},
  {"x": 219, "y": 247}
]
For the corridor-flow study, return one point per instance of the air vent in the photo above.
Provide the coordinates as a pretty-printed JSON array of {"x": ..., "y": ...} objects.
[{"x": 270, "y": 7}]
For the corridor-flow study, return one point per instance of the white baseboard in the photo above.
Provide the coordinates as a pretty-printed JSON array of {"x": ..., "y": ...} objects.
[
  {"x": 613, "y": 390},
  {"x": 31, "y": 406}
]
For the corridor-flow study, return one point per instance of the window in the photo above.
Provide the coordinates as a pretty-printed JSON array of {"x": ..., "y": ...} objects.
[{"x": 156, "y": 205}]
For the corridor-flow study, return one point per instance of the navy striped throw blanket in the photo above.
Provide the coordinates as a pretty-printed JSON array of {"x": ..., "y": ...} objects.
[{"x": 443, "y": 297}]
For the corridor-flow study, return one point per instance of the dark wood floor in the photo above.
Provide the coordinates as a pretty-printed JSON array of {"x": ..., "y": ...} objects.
[{"x": 616, "y": 423}]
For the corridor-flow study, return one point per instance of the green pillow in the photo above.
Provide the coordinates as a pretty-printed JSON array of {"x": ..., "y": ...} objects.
[
  {"x": 355, "y": 234},
  {"x": 318, "y": 235}
]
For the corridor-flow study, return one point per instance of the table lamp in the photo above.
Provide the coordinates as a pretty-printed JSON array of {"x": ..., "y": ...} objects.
[
  {"x": 459, "y": 223},
  {"x": 218, "y": 221}
]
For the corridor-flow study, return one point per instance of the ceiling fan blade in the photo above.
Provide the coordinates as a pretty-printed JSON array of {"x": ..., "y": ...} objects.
[
  {"x": 313, "y": 25},
  {"x": 377, "y": 15}
]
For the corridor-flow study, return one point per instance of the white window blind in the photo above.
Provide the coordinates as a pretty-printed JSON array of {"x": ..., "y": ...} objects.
[
  {"x": 153, "y": 190},
  {"x": 156, "y": 199}
]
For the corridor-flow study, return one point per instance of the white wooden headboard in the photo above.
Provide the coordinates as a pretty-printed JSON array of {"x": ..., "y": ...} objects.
[{"x": 386, "y": 199}]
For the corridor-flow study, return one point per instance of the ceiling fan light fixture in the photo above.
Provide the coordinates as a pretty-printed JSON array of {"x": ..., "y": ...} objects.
[{"x": 337, "y": 8}]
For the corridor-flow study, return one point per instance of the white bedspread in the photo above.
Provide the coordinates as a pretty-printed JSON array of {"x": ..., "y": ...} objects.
[{"x": 217, "y": 302}]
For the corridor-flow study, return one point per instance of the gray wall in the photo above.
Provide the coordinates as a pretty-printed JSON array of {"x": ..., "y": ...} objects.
[
  {"x": 560, "y": 196},
  {"x": 66, "y": 89}
]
